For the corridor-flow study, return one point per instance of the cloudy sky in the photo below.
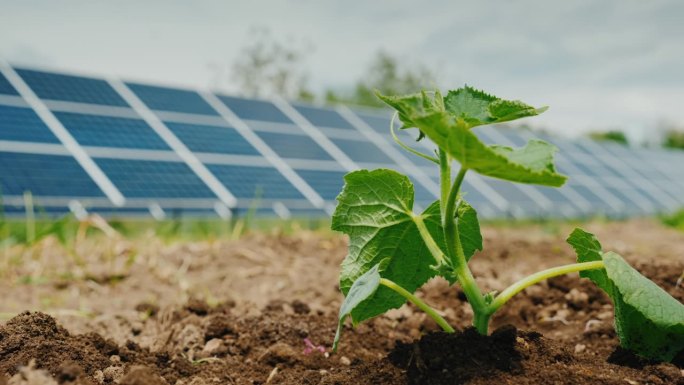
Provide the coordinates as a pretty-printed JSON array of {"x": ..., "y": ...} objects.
[{"x": 597, "y": 64}]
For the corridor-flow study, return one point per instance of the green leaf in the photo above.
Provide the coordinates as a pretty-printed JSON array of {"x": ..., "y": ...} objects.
[
  {"x": 478, "y": 108},
  {"x": 375, "y": 210},
  {"x": 407, "y": 105},
  {"x": 468, "y": 231},
  {"x": 362, "y": 289},
  {"x": 588, "y": 249},
  {"x": 648, "y": 320},
  {"x": 451, "y": 130}
]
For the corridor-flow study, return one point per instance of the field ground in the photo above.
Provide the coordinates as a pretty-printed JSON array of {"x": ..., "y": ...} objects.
[{"x": 261, "y": 309}]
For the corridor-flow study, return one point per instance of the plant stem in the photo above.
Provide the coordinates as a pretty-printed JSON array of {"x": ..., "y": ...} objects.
[
  {"x": 530, "y": 280},
  {"x": 455, "y": 249},
  {"x": 436, "y": 252},
  {"x": 418, "y": 302},
  {"x": 444, "y": 179}
]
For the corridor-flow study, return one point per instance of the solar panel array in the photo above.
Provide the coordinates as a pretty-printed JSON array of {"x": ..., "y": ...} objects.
[{"x": 83, "y": 144}]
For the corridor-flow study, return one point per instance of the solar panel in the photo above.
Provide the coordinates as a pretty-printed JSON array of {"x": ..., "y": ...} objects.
[
  {"x": 362, "y": 151},
  {"x": 203, "y": 138},
  {"x": 175, "y": 147},
  {"x": 154, "y": 179},
  {"x": 5, "y": 87},
  {"x": 251, "y": 109},
  {"x": 323, "y": 117},
  {"x": 107, "y": 131},
  {"x": 328, "y": 184},
  {"x": 170, "y": 99},
  {"x": 255, "y": 182},
  {"x": 294, "y": 146},
  {"x": 71, "y": 88},
  {"x": 44, "y": 176},
  {"x": 22, "y": 124}
]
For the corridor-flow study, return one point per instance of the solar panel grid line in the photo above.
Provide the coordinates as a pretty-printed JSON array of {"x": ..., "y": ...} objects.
[
  {"x": 33, "y": 148},
  {"x": 535, "y": 196},
  {"x": 55, "y": 201},
  {"x": 618, "y": 166},
  {"x": 669, "y": 169},
  {"x": 179, "y": 147},
  {"x": 12, "y": 101},
  {"x": 389, "y": 150},
  {"x": 132, "y": 154},
  {"x": 91, "y": 168},
  {"x": 630, "y": 175},
  {"x": 320, "y": 165},
  {"x": 274, "y": 127},
  {"x": 599, "y": 190},
  {"x": 266, "y": 151},
  {"x": 577, "y": 175},
  {"x": 314, "y": 133},
  {"x": 230, "y": 159}
]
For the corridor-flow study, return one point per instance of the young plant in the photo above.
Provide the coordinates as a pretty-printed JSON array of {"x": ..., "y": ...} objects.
[{"x": 393, "y": 250}]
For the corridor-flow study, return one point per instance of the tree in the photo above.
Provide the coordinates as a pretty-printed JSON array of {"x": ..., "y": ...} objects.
[
  {"x": 610, "y": 136},
  {"x": 674, "y": 139},
  {"x": 268, "y": 67},
  {"x": 387, "y": 75}
]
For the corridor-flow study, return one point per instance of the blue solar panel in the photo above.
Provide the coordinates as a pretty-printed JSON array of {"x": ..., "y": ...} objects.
[
  {"x": 221, "y": 140},
  {"x": 328, "y": 184},
  {"x": 5, "y": 87},
  {"x": 294, "y": 146},
  {"x": 362, "y": 151},
  {"x": 422, "y": 194},
  {"x": 106, "y": 131},
  {"x": 22, "y": 124},
  {"x": 154, "y": 179},
  {"x": 255, "y": 182},
  {"x": 377, "y": 123},
  {"x": 323, "y": 117},
  {"x": 44, "y": 175},
  {"x": 255, "y": 109},
  {"x": 171, "y": 99},
  {"x": 69, "y": 88}
]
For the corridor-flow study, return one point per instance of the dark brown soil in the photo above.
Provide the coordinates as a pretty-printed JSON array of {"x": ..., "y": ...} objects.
[{"x": 558, "y": 332}]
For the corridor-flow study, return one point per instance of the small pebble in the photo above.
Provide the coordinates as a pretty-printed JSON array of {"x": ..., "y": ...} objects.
[
  {"x": 113, "y": 374},
  {"x": 579, "y": 348},
  {"x": 99, "y": 376},
  {"x": 214, "y": 346},
  {"x": 345, "y": 361}
]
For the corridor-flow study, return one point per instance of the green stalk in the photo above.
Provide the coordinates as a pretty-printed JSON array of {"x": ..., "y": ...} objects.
[
  {"x": 444, "y": 179},
  {"x": 436, "y": 252},
  {"x": 455, "y": 250},
  {"x": 537, "y": 277},
  {"x": 419, "y": 303}
]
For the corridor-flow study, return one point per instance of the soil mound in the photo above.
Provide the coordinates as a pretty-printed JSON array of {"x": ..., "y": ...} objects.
[
  {"x": 510, "y": 356},
  {"x": 87, "y": 358}
]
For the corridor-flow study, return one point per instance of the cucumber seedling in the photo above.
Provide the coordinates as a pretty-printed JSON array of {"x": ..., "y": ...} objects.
[{"x": 393, "y": 250}]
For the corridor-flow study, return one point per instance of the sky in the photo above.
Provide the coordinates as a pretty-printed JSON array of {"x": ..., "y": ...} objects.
[{"x": 598, "y": 65}]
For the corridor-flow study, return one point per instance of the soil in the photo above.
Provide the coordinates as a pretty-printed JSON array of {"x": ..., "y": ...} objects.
[{"x": 262, "y": 310}]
